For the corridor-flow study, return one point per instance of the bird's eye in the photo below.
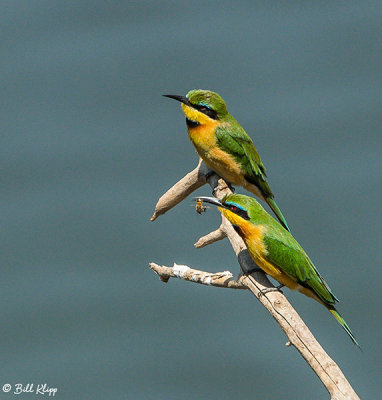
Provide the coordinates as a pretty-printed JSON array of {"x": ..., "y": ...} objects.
[
  {"x": 238, "y": 211},
  {"x": 206, "y": 110}
]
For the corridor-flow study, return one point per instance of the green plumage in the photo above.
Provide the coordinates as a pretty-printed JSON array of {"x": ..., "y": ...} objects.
[
  {"x": 243, "y": 165},
  {"x": 292, "y": 259},
  {"x": 285, "y": 253},
  {"x": 234, "y": 140}
]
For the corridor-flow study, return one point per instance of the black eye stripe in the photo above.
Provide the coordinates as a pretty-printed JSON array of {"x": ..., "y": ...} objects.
[
  {"x": 206, "y": 110},
  {"x": 211, "y": 113},
  {"x": 239, "y": 211}
]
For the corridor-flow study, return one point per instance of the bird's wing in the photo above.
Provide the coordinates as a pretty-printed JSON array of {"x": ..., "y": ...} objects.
[
  {"x": 236, "y": 142},
  {"x": 291, "y": 259}
]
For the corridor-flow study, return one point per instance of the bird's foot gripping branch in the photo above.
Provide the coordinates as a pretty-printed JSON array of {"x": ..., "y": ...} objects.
[{"x": 274, "y": 301}]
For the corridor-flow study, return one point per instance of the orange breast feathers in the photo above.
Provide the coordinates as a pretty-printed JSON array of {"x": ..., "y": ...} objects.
[
  {"x": 204, "y": 140},
  {"x": 252, "y": 234}
]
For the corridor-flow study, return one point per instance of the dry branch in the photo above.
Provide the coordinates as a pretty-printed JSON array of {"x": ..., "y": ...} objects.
[
  {"x": 210, "y": 238},
  {"x": 275, "y": 302},
  {"x": 181, "y": 190},
  {"x": 218, "y": 279}
]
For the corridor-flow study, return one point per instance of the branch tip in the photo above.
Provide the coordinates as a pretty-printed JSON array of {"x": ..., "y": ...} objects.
[{"x": 211, "y": 237}]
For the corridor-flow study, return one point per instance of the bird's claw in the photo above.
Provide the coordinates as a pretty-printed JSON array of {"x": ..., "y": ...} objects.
[{"x": 271, "y": 289}]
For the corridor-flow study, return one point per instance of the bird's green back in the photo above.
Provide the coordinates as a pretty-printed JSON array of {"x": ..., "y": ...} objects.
[{"x": 233, "y": 139}]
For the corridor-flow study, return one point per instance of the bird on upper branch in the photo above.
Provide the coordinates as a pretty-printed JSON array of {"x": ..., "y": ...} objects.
[{"x": 224, "y": 145}]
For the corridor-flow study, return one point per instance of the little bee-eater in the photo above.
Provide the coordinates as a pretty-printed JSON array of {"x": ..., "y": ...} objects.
[
  {"x": 276, "y": 251},
  {"x": 224, "y": 145}
]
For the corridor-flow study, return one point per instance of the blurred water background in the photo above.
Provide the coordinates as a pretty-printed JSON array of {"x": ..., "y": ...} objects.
[{"x": 88, "y": 145}]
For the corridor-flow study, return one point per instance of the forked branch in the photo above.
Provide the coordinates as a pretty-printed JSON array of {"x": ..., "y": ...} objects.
[{"x": 274, "y": 301}]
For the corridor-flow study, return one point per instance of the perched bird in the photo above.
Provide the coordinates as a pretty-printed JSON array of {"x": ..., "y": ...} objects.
[
  {"x": 276, "y": 251},
  {"x": 224, "y": 145}
]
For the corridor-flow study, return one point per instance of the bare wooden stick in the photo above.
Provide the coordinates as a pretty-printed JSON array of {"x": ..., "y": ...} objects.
[
  {"x": 212, "y": 237},
  {"x": 219, "y": 279},
  {"x": 192, "y": 181},
  {"x": 275, "y": 302}
]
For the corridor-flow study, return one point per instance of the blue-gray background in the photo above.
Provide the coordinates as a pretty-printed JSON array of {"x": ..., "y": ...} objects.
[{"x": 88, "y": 145}]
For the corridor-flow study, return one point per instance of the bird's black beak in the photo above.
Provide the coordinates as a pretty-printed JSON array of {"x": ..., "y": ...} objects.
[
  {"x": 182, "y": 99},
  {"x": 211, "y": 200}
]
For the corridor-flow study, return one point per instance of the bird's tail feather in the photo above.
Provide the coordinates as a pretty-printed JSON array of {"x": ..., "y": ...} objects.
[
  {"x": 343, "y": 323},
  {"x": 277, "y": 212}
]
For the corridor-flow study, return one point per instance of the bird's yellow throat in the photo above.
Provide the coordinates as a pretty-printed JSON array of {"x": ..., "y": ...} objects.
[
  {"x": 197, "y": 116},
  {"x": 249, "y": 230},
  {"x": 202, "y": 135}
]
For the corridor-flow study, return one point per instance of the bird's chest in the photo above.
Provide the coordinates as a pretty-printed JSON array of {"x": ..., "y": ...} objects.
[
  {"x": 204, "y": 140},
  {"x": 202, "y": 137},
  {"x": 253, "y": 238}
]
